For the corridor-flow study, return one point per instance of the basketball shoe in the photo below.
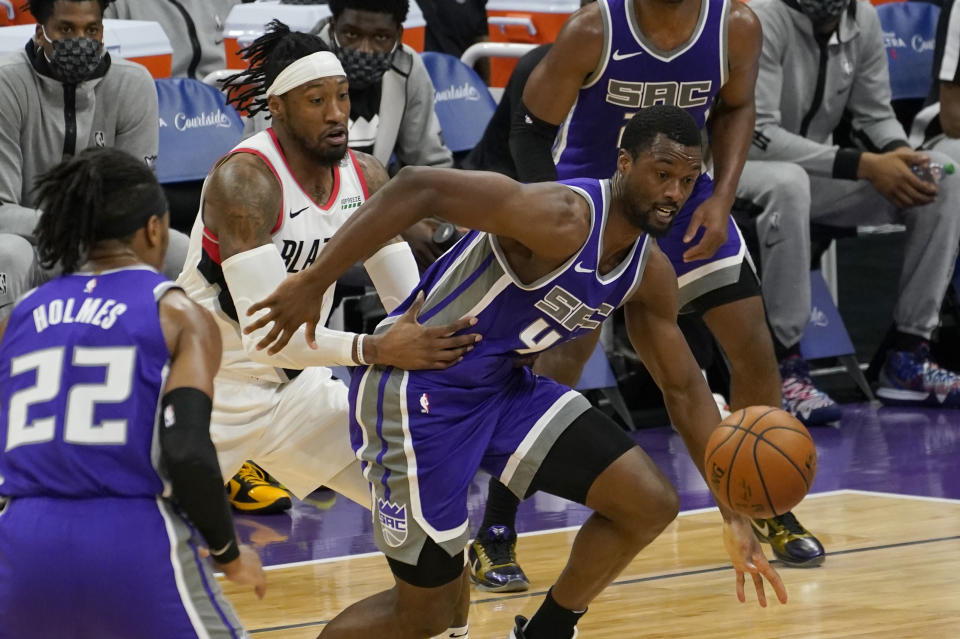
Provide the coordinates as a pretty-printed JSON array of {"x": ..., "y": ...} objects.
[
  {"x": 801, "y": 398},
  {"x": 520, "y": 621},
  {"x": 911, "y": 378},
  {"x": 252, "y": 491},
  {"x": 793, "y": 544},
  {"x": 493, "y": 561}
]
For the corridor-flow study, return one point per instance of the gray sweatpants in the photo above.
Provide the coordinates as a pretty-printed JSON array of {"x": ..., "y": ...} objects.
[
  {"x": 790, "y": 199},
  {"x": 20, "y": 269}
]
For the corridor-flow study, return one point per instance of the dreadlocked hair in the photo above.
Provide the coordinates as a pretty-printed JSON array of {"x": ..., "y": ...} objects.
[
  {"x": 266, "y": 57},
  {"x": 85, "y": 196}
]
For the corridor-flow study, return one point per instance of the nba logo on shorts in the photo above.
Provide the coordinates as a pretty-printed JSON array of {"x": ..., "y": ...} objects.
[
  {"x": 393, "y": 522},
  {"x": 3, "y": 283},
  {"x": 98, "y": 139}
]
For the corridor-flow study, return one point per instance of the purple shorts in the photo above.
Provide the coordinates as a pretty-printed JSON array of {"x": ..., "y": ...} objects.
[
  {"x": 421, "y": 442},
  {"x": 702, "y": 276},
  {"x": 105, "y": 567}
]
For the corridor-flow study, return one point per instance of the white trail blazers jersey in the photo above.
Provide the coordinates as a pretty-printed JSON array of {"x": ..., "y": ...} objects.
[{"x": 302, "y": 229}]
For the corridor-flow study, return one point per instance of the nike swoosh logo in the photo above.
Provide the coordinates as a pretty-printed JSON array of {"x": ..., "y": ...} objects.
[
  {"x": 618, "y": 56},
  {"x": 579, "y": 269},
  {"x": 455, "y": 636},
  {"x": 294, "y": 214}
]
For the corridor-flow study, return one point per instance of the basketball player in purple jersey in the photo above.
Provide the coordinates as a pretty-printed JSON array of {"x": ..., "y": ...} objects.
[
  {"x": 611, "y": 59},
  {"x": 549, "y": 263},
  {"x": 106, "y": 378}
]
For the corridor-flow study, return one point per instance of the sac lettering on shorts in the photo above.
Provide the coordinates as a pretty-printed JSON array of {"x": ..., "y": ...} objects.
[
  {"x": 565, "y": 309},
  {"x": 299, "y": 254},
  {"x": 393, "y": 522}
]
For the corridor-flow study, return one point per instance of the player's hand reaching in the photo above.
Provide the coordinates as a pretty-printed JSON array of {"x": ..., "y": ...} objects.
[
  {"x": 747, "y": 556},
  {"x": 713, "y": 216},
  {"x": 246, "y": 570},
  {"x": 296, "y": 301},
  {"x": 411, "y": 346}
]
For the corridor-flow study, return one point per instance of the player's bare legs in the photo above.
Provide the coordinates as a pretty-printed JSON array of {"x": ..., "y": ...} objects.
[
  {"x": 633, "y": 502},
  {"x": 403, "y": 612},
  {"x": 619, "y": 528},
  {"x": 741, "y": 329}
]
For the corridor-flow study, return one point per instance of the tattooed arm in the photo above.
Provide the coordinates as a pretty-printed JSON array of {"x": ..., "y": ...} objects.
[
  {"x": 373, "y": 172},
  {"x": 242, "y": 204}
]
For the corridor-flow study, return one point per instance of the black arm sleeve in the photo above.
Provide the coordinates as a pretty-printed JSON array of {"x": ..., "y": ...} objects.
[
  {"x": 190, "y": 461},
  {"x": 531, "y": 143}
]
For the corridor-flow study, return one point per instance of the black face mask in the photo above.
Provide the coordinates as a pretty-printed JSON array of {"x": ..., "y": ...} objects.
[
  {"x": 74, "y": 59},
  {"x": 823, "y": 12},
  {"x": 363, "y": 68}
]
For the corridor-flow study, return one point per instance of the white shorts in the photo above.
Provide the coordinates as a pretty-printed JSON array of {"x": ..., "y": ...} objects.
[{"x": 298, "y": 431}]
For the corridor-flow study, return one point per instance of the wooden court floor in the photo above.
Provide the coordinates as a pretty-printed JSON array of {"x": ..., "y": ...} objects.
[{"x": 892, "y": 572}]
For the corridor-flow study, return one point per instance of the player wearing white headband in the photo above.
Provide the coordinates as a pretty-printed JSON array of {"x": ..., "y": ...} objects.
[{"x": 267, "y": 209}]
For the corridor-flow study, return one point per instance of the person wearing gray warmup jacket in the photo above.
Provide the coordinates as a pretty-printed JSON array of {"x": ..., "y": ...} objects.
[
  {"x": 59, "y": 95},
  {"x": 820, "y": 59}
]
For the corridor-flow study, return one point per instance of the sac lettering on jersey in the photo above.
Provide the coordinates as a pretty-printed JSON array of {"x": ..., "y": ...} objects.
[
  {"x": 563, "y": 307},
  {"x": 640, "y": 95}
]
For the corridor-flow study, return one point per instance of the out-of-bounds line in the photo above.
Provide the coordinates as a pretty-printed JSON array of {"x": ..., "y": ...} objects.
[{"x": 638, "y": 580}]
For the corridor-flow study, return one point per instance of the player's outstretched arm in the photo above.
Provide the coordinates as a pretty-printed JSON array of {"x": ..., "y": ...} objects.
[
  {"x": 549, "y": 219},
  {"x": 551, "y": 91},
  {"x": 392, "y": 267},
  {"x": 651, "y": 317},
  {"x": 731, "y": 131},
  {"x": 188, "y": 454}
]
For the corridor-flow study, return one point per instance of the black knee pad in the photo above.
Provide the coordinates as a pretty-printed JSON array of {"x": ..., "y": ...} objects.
[
  {"x": 585, "y": 449},
  {"x": 748, "y": 285},
  {"x": 435, "y": 567}
]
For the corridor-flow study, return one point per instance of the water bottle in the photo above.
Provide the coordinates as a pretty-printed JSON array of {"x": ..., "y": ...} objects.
[{"x": 932, "y": 171}]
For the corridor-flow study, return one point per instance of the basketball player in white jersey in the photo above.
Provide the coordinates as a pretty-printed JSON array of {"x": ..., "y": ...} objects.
[{"x": 267, "y": 209}]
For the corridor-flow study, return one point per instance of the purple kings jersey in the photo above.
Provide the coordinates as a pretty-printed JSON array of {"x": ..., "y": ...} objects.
[
  {"x": 82, "y": 368},
  {"x": 516, "y": 318},
  {"x": 634, "y": 74}
]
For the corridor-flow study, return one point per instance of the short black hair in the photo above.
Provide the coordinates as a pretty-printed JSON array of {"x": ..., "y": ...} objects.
[
  {"x": 266, "y": 57},
  {"x": 42, "y": 10},
  {"x": 670, "y": 121},
  {"x": 397, "y": 8},
  {"x": 98, "y": 194}
]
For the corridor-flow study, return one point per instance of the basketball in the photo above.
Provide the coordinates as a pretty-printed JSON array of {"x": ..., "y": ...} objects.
[{"x": 760, "y": 461}]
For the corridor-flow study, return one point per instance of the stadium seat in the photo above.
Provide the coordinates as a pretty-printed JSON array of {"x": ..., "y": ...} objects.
[
  {"x": 197, "y": 127},
  {"x": 461, "y": 100},
  {"x": 909, "y": 32},
  {"x": 826, "y": 336}
]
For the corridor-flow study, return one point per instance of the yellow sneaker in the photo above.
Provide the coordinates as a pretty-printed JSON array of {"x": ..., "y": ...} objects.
[{"x": 252, "y": 491}]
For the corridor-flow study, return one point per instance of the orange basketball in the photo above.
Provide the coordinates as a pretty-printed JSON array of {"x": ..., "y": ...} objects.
[{"x": 760, "y": 461}]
